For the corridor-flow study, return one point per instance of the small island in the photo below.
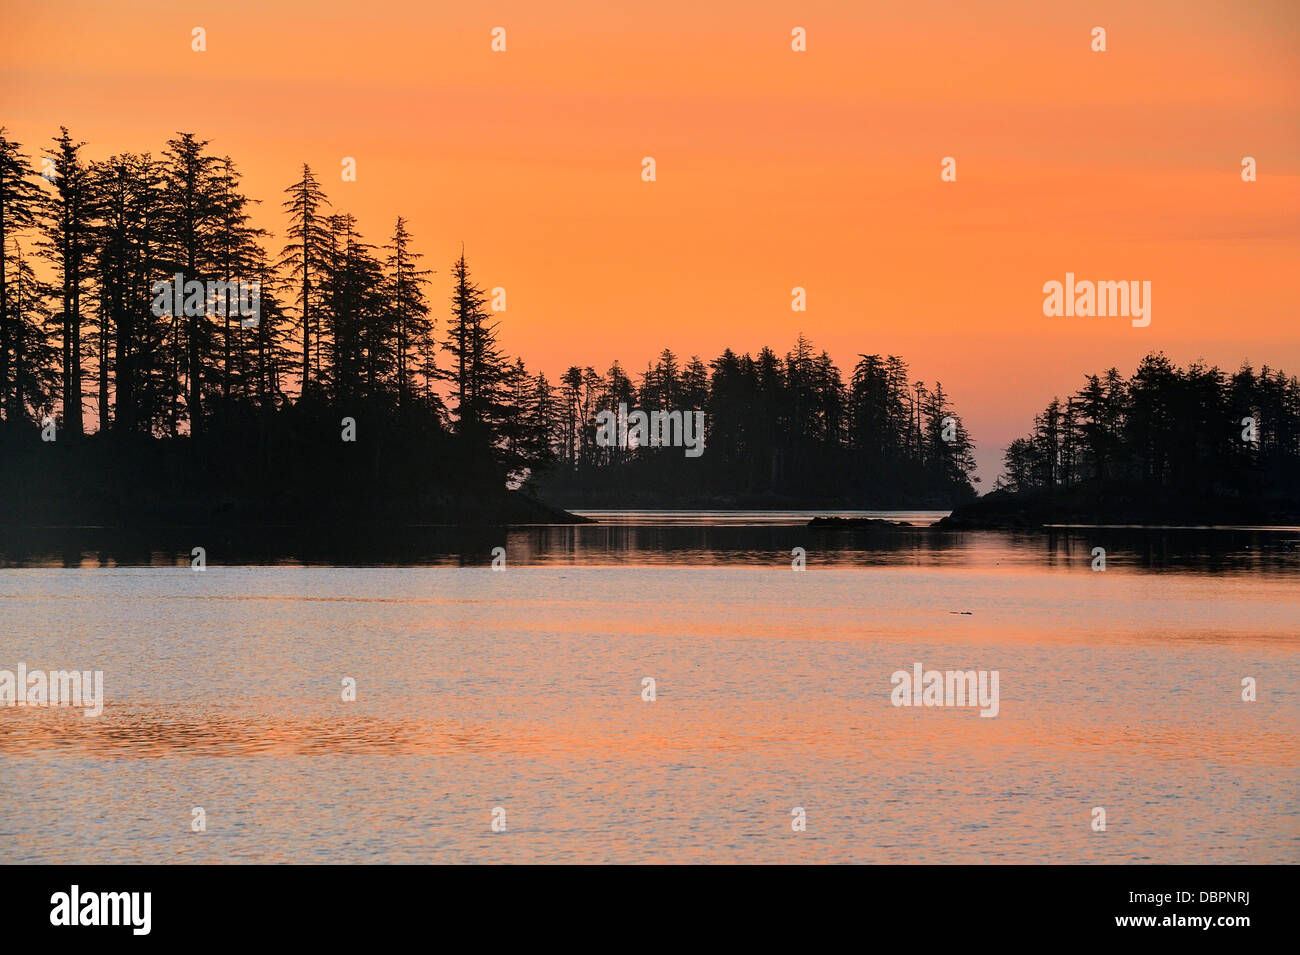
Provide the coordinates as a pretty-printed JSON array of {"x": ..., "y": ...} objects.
[
  {"x": 1193, "y": 447},
  {"x": 845, "y": 523}
]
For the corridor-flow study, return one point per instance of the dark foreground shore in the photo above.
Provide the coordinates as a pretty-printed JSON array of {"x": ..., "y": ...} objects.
[{"x": 288, "y": 479}]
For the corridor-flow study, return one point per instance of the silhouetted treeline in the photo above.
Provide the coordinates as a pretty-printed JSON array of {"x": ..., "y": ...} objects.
[
  {"x": 1194, "y": 432},
  {"x": 343, "y": 327},
  {"x": 346, "y": 328},
  {"x": 338, "y": 317},
  {"x": 776, "y": 427}
]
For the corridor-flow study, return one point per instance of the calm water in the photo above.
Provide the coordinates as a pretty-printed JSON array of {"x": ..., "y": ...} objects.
[{"x": 522, "y": 689}]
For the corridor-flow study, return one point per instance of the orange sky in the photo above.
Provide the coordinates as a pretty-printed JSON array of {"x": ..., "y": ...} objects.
[{"x": 775, "y": 168}]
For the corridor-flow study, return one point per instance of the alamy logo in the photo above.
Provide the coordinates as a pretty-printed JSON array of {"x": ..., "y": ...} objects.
[
  {"x": 195, "y": 298},
  {"x": 946, "y": 688},
  {"x": 55, "y": 688},
  {"x": 1122, "y": 299},
  {"x": 657, "y": 429},
  {"x": 103, "y": 908}
]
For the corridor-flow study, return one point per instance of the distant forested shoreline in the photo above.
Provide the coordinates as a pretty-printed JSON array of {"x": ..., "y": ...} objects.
[{"x": 782, "y": 432}]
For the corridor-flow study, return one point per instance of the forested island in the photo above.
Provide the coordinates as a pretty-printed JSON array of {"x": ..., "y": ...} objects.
[
  {"x": 339, "y": 388},
  {"x": 1167, "y": 446}
]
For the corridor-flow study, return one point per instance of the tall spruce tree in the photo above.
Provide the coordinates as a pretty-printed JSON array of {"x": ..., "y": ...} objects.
[
  {"x": 408, "y": 317},
  {"x": 305, "y": 256},
  {"x": 69, "y": 242},
  {"x": 478, "y": 374},
  {"x": 190, "y": 187},
  {"x": 19, "y": 204}
]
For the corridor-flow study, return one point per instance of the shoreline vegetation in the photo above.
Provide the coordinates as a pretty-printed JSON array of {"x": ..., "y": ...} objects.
[
  {"x": 135, "y": 391},
  {"x": 137, "y": 388}
]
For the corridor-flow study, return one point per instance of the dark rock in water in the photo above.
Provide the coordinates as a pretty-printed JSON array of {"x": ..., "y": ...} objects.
[{"x": 847, "y": 522}]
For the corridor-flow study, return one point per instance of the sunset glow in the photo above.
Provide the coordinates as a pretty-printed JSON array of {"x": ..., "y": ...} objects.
[{"x": 775, "y": 170}]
